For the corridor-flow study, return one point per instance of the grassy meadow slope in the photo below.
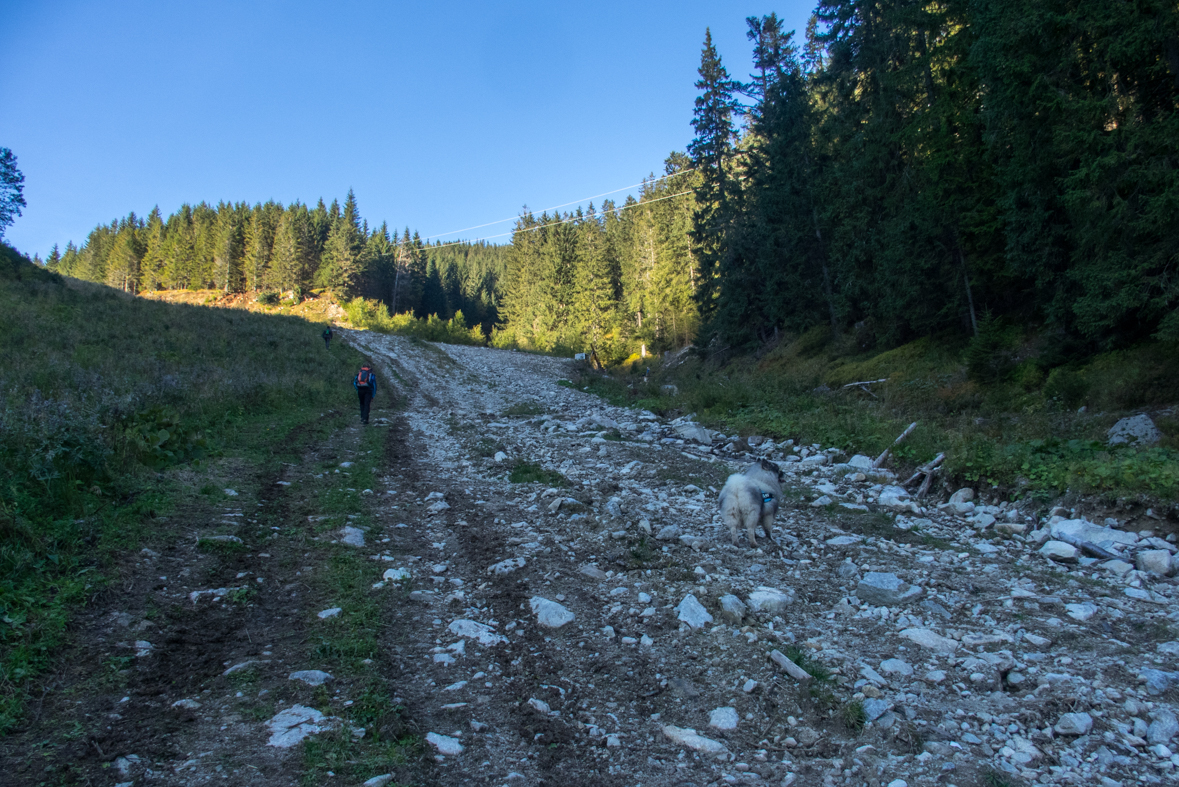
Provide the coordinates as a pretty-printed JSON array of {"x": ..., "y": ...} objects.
[
  {"x": 106, "y": 403},
  {"x": 1009, "y": 416}
]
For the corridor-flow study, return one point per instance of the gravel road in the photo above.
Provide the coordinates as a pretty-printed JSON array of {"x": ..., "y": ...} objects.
[
  {"x": 548, "y": 599},
  {"x": 604, "y": 632}
]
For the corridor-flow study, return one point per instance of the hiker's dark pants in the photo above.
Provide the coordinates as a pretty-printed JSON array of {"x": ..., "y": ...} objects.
[
  {"x": 366, "y": 399},
  {"x": 327, "y": 340}
]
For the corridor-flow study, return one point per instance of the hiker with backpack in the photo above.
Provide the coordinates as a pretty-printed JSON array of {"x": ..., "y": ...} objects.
[
  {"x": 327, "y": 337},
  {"x": 365, "y": 383}
]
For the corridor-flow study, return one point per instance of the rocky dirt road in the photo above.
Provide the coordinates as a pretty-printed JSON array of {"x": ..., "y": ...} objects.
[
  {"x": 556, "y": 605},
  {"x": 603, "y": 632}
]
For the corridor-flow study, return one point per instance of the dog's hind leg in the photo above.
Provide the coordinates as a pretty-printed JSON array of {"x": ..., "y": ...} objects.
[
  {"x": 730, "y": 517},
  {"x": 751, "y": 527},
  {"x": 767, "y": 524}
]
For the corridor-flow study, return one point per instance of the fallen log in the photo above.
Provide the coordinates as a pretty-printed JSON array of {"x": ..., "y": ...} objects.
[
  {"x": 880, "y": 459},
  {"x": 926, "y": 468}
]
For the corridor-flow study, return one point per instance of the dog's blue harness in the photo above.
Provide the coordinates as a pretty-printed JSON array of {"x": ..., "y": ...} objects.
[{"x": 766, "y": 498}]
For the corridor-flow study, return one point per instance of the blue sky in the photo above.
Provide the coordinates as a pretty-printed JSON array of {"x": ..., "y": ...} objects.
[{"x": 440, "y": 117}]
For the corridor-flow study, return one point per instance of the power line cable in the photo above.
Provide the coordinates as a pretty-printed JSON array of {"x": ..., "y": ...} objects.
[
  {"x": 552, "y": 223},
  {"x": 567, "y": 204}
]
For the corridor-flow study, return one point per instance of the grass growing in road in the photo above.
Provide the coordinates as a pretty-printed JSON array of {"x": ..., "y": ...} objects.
[
  {"x": 348, "y": 645},
  {"x": 532, "y": 473}
]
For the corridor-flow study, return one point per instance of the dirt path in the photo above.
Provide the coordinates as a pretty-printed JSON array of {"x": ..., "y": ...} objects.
[{"x": 590, "y": 625}]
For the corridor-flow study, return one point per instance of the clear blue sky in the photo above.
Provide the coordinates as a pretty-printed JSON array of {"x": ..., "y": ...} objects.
[{"x": 440, "y": 117}]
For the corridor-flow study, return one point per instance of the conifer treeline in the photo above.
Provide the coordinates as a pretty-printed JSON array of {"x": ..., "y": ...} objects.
[
  {"x": 918, "y": 165},
  {"x": 612, "y": 280},
  {"x": 236, "y": 247}
]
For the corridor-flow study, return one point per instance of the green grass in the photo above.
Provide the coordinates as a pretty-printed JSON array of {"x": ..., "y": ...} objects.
[
  {"x": 532, "y": 473},
  {"x": 853, "y": 715},
  {"x": 1013, "y": 426},
  {"x": 103, "y": 397},
  {"x": 349, "y": 645},
  {"x": 523, "y": 409}
]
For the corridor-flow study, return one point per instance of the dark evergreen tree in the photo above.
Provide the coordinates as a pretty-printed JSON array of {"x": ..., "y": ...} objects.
[
  {"x": 711, "y": 151},
  {"x": 12, "y": 186}
]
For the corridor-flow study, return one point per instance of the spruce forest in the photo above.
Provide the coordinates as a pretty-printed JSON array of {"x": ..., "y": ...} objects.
[{"x": 902, "y": 170}]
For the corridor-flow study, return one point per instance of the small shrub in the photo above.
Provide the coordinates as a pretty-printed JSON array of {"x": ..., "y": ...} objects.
[
  {"x": 990, "y": 354},
  {"x": 531, "y": 473},
  {"x": 268, "y": 298},
  {"x": 525, "y": 408},
  {"x": 853, "y": 715},
  {"x": 1066, "y": 386}
]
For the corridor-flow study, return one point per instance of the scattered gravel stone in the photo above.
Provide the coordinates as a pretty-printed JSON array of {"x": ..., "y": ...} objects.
[
  {"x": 1155, "y": 561},
  {"x": 550, "y": 614},
  {"x": 875, "y": 708},
  {"x": 692, "y": 612},
  {"x": 289, "y": 727},
  {"x": 732, "y": 609},
  {"x": 929, "y": 639},
  {"x": 1081, "y": 612},
  {"x": 885, "y": 589},
  {"x": 896, "y": 667},
  {"x": 312, "y": 677},
  {"x": 444, "y": 744},
  {"x": 329, "y": 613},
  {"x": 1163, "y": 728},
  {"x": 507, "y": 566},
  {"x": 770, "y": 600},
  {"x": 1074, "y": 724},
  {"x": 379, "y": 781},
  {"x": 689, "y": 738},
  {"x": 1060, "y": 552},
  {"x": 725, "y": 719},
  {"x": 479, "y": 632}
]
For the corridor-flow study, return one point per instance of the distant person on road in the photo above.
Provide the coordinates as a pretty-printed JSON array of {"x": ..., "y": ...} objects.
[
  {"x": 327, "y": 337},
  {"x": 365, "y": 383}
]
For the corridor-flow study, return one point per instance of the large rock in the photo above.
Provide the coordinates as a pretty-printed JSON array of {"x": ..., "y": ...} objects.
[
  {"x": 1155, "y": 561},
  {"x": 874, "y": 708},
  {"x": 694, "y": 432},
  {"x": 860, "y": 462},
  {"x": 723, "y": 719},
  {"x": 1060, "y": 551},
  {"x": 444, "y": 744},
  {"x": 963, "y": 495},
  {"x": 289, "y": 727},
  {"x": 1138, "y": 430},
  {"x": 928, "y": 639},
  {"x": 1163, "y": 728},
  {"x": 1074, "y": 724},
  {"x": 770, "y": 600},
  {"x": 896, "y": 498},
  {"x": 688, "y": 737},
  {"x": 479, "y": 632},
  {"x": 352, "y": 536},
  {"x": 885, "y": 589},
  {"x": 732, "y": 609},
  {"x": 1078, "y": 530},
  {"x": 550, "y": 614},
  {"x": 507, "y": 566},
  {"x": 692, "y": 612}
]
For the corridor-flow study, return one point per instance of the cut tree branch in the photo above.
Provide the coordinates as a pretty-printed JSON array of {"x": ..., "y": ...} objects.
[{"x": 880, "y": 459}]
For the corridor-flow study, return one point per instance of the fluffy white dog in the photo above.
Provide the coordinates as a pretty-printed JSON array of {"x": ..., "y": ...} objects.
[{"x": 751, "y": 497}]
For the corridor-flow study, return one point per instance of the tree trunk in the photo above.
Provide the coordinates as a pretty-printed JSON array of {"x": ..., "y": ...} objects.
[
  {"x": 966, "y": 281},
  {"x": 826, "y": 274}
]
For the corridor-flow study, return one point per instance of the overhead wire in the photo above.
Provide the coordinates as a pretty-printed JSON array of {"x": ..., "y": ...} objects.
[
  {"x": 429, "y": 247},
  {"x": 564, "y": 205}
]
